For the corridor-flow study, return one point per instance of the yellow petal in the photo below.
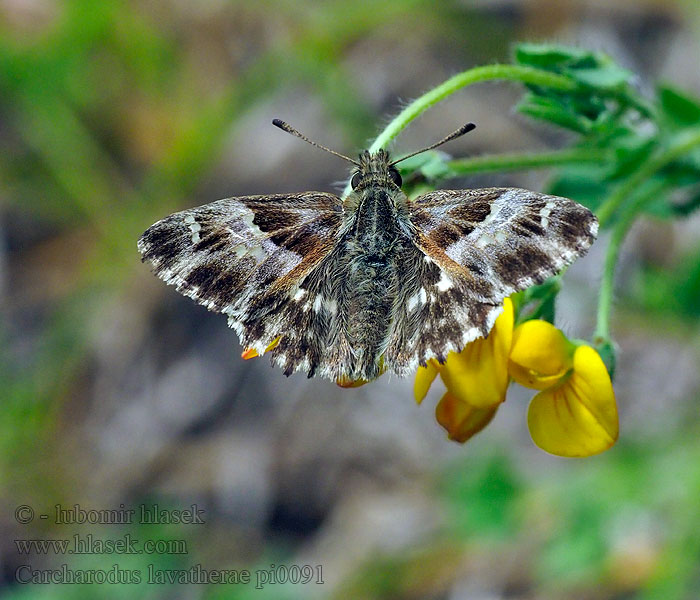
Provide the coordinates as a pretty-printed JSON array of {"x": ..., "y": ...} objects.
[
  {"x": 462, "y": 420},
  {"x": 346, "y": 382},
  {"x": 479, "y": 374},
  {"x": 541, "y": 355},
  {"x": 578, "y": 417},
  {"x": 249, "y": 353},
  {"x": 424, "y": 379}
]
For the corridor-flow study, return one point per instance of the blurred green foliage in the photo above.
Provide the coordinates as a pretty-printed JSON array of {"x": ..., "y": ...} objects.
[
  {"x": 77, "y": 96},
  {"x": 625, "y": 522}
]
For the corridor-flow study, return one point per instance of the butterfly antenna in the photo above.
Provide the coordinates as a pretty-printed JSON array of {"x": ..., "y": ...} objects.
[
  {"x": 289, "y": 129},
  {"x": 454, "y": 135}
]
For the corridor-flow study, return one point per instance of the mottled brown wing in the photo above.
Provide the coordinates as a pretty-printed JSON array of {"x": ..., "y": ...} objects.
[
  {"x": 480, "y": 246},
  {"x": 245, "y": 256}
]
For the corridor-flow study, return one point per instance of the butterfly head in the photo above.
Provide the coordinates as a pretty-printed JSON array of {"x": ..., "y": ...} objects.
[{"x": 375, "y": 170}]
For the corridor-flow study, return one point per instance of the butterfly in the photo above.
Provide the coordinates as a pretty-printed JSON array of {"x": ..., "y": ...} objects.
[{"x": 349, "y": 288}]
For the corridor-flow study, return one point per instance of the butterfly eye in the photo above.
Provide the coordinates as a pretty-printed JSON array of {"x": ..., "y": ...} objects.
[
  {"x": 395, "y": 176},
  {"x": 355, "y": 181}
]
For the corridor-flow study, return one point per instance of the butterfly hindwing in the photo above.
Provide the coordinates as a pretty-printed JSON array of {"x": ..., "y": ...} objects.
[
  {"x": 436, "y": 312},
  {"x": 302, "y": 322}
]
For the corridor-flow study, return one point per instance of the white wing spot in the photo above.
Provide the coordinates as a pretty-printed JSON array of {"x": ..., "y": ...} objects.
[
  {"x": 331, "y": 306},
  {"x": 484, "y": 240},
  {"x": 487, "y": 238},
  {"x": 237, "y": 326},
  {"x": 545, "y": 211},
  {"x": 328, "y": 304},
  {"x": 300, "y": 293},
  {"x": 258, "y": 253},
  {"x": 498, "y": 204},
  {"x": 445, "y": 282},
  {"x": 194, "y": 227},
  {"x": 470, "y": 335},
  {"x": 248, "y": 220},
  {"x": 419, "y": 297},
  {"x": 490, "y": 227}
]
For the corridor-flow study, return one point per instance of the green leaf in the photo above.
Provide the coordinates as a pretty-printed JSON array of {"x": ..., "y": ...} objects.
[
  {"x": 586, "y": 184},
  {"x": 685, "y": 170},
  {"x": 630, "y": 152},
  {"x": 606, "y": 77},
  {"x": 483, "y": 496},
  {"x": 608, "y": 352},
  {"x": 548, "y": 56},
  {"x": 588, "y": 68},
  {"x": 550, "y": 109},
  {"x": 687, "y": 207},
  {"x": 675, "y": 290},
  {"x": 539, "y": 292},
  {"x": 436, "y": 169},
  {"x": 680, "y": 108},
  {"x": 431, "y": 165},
  {"x": 655, "y": 193},
  {"x": 539, "y": 301}
]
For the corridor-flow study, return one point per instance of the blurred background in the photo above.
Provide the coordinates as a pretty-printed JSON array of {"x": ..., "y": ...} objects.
[{"x": 114, "y": 389}]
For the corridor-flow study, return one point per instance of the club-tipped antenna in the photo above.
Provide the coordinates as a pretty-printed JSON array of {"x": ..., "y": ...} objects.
[
  {"x": 455, "y": 134},
  {"x": 289, "y": 129}
]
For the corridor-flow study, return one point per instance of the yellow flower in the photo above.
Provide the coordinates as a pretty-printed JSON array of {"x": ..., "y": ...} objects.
[
  {"x": 540, "y": 355},
  {"x": 574, "y": 413},
  {"x": 476, "y": 380}
]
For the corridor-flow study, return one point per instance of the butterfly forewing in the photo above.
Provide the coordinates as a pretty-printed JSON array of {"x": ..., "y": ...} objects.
[
  {"x": 245, "y": 256},
  {"x": 502, "y": 240},
  {"x": 477, "y": 247}
]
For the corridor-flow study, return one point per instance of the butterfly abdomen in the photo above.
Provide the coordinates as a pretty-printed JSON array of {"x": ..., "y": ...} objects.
[{"x": 373, "y": 245}]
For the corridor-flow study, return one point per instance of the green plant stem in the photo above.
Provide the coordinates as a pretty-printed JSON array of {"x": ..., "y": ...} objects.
[
  {"x": 605, "y": 294},
  {"x": 619, "y": 232},
  {"x": 683, "y": 144},
  {"x": 517, "y": 161},
  {"x": 486, "y": 73}
]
